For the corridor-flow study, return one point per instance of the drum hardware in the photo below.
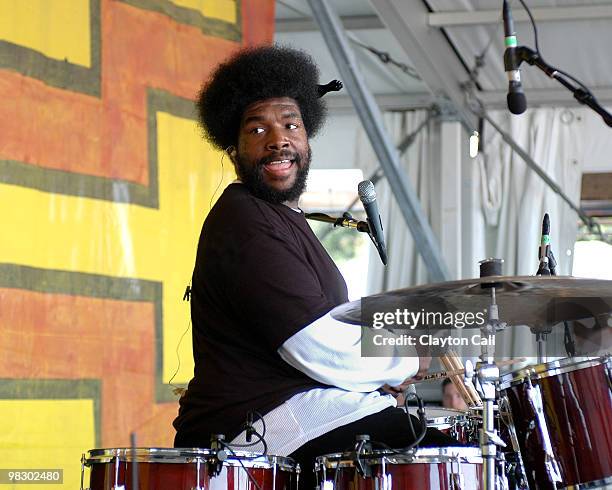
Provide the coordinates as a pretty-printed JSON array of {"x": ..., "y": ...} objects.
[
  {"x": 541, "y": 345},
  {"x": 83, "y": 472},
  {"x": 135, "y": 484},
  {"x": 502, "y": 480},
  {"x": 116, "y": 485},
  {"x": 362, "y": 444},
  {"x": 488, "y": 373},
  {"x": 217, "y": 445},
  {"x": 456, "y": 481},
  {"x": 550, "y": 462}
]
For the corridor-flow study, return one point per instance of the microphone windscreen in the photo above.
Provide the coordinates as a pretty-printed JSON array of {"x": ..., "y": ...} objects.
[
  {"x": 366, "y": 191},
  {"x": 517, "y": 102}
]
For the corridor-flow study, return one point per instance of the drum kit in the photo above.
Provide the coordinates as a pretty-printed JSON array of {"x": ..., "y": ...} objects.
[{"x": 544, "y": 426}]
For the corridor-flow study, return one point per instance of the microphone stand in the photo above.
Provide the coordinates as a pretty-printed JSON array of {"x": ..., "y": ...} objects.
[
  {"x": 523, "y": 53},
  {"x": 346, "y": 221}
]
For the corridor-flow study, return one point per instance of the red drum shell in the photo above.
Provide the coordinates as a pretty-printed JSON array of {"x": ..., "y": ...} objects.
[
  {"x": 446, "y": 468},
  {"x": 178, "y": 469},
  {"x": 577, "y": 400}
]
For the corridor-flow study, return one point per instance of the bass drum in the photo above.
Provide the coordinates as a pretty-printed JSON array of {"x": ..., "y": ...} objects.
[
  {"x": 561, "y": 413},
  {"x": 437, "y": 468},
  {"x": 187, "y": 469}
]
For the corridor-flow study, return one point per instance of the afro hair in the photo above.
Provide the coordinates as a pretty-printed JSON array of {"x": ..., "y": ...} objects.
[{"x": 257, "y": 74}]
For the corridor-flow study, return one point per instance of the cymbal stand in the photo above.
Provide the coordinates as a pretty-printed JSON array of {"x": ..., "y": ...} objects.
[
  {"x": 541, "y": 344},
  {"x": 488, "y": 374}
]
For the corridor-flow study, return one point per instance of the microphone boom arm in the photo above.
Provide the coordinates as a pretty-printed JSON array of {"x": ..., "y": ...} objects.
[
  {"x": 523, "y": 53},
  {"x": 346, "y": 221}
]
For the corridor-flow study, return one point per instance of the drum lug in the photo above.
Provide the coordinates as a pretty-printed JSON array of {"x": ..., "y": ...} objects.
[
  {"x": 456, "y": 481},
  {"x": 550, "y": 461},
  {"x": 502, "y": 481},
  {"x": 83, "y": 464}
]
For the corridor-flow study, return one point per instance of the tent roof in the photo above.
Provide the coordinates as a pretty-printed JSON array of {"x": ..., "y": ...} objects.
[{"x": 574, "y": 36}]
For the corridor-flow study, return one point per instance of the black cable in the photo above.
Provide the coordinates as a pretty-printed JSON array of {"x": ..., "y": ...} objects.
[
  {"x": 260, "y": 437},
  {"x": 251, "y": 477},
  {"x": 422, "y": 419},
  {"x": 412, "y": 431},
  {"x": 537, "y": 48}
]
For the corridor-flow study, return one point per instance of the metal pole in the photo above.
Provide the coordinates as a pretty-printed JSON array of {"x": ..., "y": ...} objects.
[
  {"x": 488, "y": 374},
  {"x": 388, "y": 156}
]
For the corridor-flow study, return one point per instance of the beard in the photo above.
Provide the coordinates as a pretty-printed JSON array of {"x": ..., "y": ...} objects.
[{"x": 252, "y": 175}]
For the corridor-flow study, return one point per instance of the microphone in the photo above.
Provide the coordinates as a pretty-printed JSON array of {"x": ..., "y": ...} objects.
[
  {"x": 517, "y": 103},
  {"x": 367, "y": 194},
  {"x": 544, "y": 250}
]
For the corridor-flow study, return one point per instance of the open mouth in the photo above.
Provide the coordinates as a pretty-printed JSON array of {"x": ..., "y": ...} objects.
[{"x": 279, "y": 167}]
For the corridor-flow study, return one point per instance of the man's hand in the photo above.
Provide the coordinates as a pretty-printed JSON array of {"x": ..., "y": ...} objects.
[
  {"x": 424, "y": 363},
  {"x": 398, "y": 391}
]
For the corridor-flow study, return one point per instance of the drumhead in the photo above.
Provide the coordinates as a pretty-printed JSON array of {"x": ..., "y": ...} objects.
[
  {"x": 186, "y": 455},
  {"x": 451, "y": 454},
  {"x": 553, "y": 368}
]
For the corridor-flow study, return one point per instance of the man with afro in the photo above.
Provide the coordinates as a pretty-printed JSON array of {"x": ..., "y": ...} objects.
[{"x": 264, "y": 342}]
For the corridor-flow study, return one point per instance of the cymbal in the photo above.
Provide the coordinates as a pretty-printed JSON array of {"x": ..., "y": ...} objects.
[{"x": 536, "y": 301}]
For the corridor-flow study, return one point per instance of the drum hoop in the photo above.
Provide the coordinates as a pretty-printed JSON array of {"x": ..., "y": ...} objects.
[
  {"x": 434, "y": 455},
  {"x": 549, "y": 369},
  {"x": 187, "y": 455}
]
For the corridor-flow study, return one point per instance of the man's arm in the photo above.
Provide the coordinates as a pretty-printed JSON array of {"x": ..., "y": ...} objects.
[{"x": 329, "y": 351}]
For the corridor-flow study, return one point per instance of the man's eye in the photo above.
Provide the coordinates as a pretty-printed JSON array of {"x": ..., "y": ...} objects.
[
  {"x": 292, "y": 126},
  {"x": 257, "y": 130}
]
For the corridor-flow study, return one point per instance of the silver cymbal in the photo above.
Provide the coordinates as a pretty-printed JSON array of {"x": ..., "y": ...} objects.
[{"x": 536, "y": 301}]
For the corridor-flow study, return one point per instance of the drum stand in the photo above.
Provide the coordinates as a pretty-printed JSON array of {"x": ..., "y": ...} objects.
[{"x": 488, "y": 374}]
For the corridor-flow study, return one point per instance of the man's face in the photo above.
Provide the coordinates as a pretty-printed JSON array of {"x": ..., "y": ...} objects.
[
  {"x": 451, "y": 398},
  {"x": 273, "y": 155}
]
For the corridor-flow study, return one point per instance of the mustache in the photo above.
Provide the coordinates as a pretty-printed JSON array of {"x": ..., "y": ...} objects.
[{"x": 283, "y": 155}]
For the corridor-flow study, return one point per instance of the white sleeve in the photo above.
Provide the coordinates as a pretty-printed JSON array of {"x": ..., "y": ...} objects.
[{"x": 329, "y": 351}]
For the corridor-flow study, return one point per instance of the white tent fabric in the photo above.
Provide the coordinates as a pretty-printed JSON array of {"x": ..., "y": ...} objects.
[{"x": 512, "y": 198}]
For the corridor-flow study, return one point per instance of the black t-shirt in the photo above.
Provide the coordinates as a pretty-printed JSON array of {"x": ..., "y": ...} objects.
[{"x": 260, "y": 276}]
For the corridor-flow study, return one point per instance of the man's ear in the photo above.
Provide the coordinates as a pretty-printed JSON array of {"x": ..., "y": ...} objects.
[{"x": 231, "y": 152}]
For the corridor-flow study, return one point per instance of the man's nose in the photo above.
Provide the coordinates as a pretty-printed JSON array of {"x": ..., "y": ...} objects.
[{"x": 277, "y": 141}]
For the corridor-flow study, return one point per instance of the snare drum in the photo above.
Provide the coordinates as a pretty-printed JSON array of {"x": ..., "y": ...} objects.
[
  {"x": 455, "y": 423},
  {"x": 436, "y": 468},
  {"x": 562, "y": 415},
  {"x": 187, "y": 469}
]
